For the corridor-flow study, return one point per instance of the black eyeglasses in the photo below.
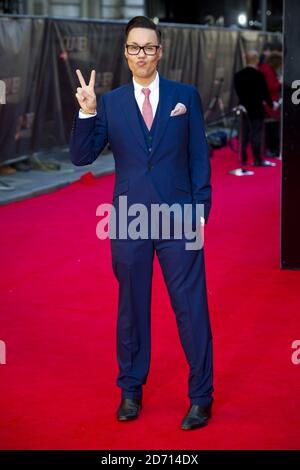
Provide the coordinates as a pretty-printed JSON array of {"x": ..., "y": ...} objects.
[{"x": 133, "y": 49}]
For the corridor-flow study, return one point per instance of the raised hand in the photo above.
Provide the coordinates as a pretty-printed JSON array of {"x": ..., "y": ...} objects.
[{"x": 85, "y": 95}]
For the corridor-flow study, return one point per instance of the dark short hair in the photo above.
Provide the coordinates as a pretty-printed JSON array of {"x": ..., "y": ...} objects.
[
  {"x": 142, "y": 22},
  {"x": 274, "y": 60}
]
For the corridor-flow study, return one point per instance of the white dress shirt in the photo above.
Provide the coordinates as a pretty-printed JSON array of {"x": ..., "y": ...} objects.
[{"x": 139, "y": 96}]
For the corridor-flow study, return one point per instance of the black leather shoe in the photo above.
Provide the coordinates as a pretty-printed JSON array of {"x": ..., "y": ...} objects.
[
  {"x": 129, "y": 409},
  {"x": 197, "y": 417}
]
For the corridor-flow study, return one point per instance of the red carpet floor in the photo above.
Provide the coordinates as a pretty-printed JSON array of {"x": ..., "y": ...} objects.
[{"x": 58, "y": 315}]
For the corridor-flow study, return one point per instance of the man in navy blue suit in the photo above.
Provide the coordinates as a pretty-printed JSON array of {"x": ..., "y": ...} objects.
[{"x": 155, "y": 129}]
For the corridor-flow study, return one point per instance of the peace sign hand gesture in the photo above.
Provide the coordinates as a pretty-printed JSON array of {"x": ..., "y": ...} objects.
[{"x": 85, "y": 95}]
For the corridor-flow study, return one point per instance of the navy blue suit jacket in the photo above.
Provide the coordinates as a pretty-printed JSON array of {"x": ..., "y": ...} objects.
[{"x": 177, "y": 167}]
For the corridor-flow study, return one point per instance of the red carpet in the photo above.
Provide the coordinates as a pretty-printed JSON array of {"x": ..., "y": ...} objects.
[{"x": 58, "y": 314}]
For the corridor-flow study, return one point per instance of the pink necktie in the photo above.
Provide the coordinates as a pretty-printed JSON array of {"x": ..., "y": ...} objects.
[{"x": 147, "y": 111}]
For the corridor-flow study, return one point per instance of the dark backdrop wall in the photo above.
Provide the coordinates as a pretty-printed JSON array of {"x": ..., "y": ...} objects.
[
  {"x": 207, "y": 11},
  {"x": 290, "y": 197},
  {"x": 39, "y": 56},
  {"x": 196, "y": 12}
]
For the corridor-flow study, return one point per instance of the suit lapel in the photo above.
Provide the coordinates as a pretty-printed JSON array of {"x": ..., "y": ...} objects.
[{"x": 129, "y": 108}]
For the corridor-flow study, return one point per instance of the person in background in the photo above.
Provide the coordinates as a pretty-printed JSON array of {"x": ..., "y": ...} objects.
[
  {"x": 252, "y": 91},
  {"x": 272, "y": 70}
]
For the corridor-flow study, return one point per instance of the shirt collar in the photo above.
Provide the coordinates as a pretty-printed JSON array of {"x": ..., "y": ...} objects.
[{"x": 153, "y": 85}]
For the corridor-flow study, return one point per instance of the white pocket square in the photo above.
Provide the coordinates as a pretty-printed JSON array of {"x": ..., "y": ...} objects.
[{"x": 179, "y": 109}]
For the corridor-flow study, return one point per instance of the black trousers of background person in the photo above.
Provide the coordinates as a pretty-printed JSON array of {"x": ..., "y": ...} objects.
[
  {"x": 273, "y": 137},
  {"x": 252, "y": 133}
]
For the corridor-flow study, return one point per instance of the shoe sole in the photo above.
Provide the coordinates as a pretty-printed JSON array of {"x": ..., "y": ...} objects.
[
  {"x": 131, "y": 418},
  {"x": 191, "y": 428}
]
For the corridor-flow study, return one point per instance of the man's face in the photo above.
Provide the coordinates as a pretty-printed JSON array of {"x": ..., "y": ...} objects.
[{"x": 142, "y": 65}]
